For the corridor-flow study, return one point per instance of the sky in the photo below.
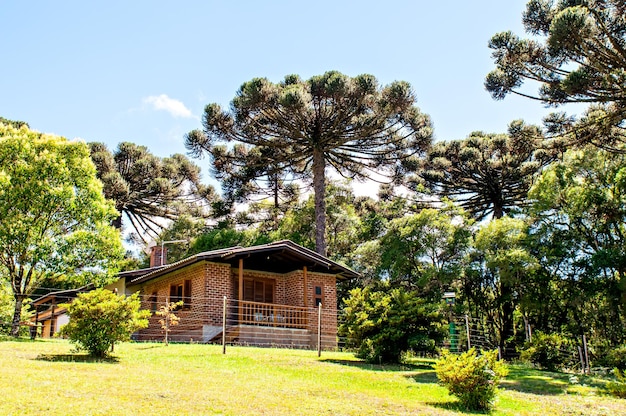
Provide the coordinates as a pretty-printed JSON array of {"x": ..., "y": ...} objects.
[{"x": 142, "y": 71}]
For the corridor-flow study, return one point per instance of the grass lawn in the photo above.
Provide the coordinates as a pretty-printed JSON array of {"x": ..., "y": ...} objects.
[{"x": 46, "y": 377}]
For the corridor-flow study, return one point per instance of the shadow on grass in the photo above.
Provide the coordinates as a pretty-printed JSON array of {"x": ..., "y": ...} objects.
[
  {"x": 7, "y": 338},
  {"x": 541, "y": 382},
  {"x": 457, "y": 407},
  {"x": 530, "y": 380},
  {"x": 378, "y": 367},
  {"x": 425, "y": 377},
  {"x": 76, "y": 358},
  {"x": 150, "y": 347}
]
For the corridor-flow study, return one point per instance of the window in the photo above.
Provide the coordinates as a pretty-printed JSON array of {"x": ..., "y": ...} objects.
[
  {"x": 258, "y": 290},
  {"x": 318, "y": 295},
  {"x": 153, "y": 302},
  {"x": 181, "y": 292}
]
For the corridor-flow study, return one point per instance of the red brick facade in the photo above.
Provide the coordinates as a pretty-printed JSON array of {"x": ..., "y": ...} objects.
[{"x": 201, "y": 318}]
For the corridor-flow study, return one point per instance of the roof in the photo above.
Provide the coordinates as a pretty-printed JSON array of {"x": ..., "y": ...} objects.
[
  {"x": 62, "y": 294},
  {"x": 278, "y": 257}
]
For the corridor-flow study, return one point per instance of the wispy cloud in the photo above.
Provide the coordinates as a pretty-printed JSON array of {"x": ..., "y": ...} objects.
[{"x": 173, "y": 106}]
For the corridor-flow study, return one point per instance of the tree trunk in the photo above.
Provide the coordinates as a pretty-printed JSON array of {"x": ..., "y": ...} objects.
[
  {"x": 319, "y": 188},
  {"x": 17, "y": 315},
  {"x": 117, "y": 222},
  {"x": 498, "y": 211}
]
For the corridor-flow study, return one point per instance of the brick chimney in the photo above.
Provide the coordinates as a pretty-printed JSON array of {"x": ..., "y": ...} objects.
[{"x": 155, "y": 256}]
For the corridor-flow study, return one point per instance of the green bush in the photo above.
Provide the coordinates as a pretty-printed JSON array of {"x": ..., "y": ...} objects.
[
  {"x": 100, "y": 318},
  {"x": 547, "y": 351},
  {"x": 382, "y": 325},
  {"x": 618, "y": 387},
  {"x": 473, "y": 378},
  {"x": 613, "y": 357}
]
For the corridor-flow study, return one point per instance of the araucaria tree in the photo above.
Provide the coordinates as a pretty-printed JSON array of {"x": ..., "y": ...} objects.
[
  {"x": 55, "y": 219},
  {"x": 486, "y": 173},
  {"x": 351, "y": 125},
  {"x": 582, "y": 58},
  {"x": 148, "y": 189}
]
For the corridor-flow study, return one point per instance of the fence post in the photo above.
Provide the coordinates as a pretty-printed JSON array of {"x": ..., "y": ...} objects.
[
  {"x": 582, "y": 361},
  {"x": 319, "y": 330},
  {"x": 467, "y": 331},
  {"x": 587, "y": 368},
  {"x": 224, "y": 327}
]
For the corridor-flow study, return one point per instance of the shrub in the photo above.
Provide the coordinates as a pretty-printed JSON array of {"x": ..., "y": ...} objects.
[
  {"x": 473, "y": 378},
  {"x": 614, "y": 357},
  {"x": 100, "y": 318},
  {"x": 618, "y": 387},
  {"x": 382, "y": 325},
  {"x": 546, "y": 351}
]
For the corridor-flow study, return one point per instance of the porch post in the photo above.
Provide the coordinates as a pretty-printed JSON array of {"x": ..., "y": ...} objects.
[
  {"x": 240, "y": 288},
  {"x": 304, "y": 275}
]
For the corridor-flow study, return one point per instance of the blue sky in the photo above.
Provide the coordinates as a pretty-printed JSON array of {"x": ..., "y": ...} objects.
[{"x": 142, "y": 71}]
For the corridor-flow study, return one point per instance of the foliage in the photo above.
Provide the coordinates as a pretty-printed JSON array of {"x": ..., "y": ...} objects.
[
  {"x": 578, "y": 227},
  {"x": 297, "y": 129},
  {"x": 546, "y": 351},
  {"x": 168, "y": 317},
  {"x": 14, "y": 123},
  {"x": 147, "y": 189},
  {"x": 100, "y": 318},
  {"x": 54, "y": 217},
  {"x": 613, "y": 357},
  {"x": 473, "y": 378},
  {"x": 503, "y": 265},
  {"x": 486, "y": 173},
  {"x": 576, "y": 54},
  {"x": 382, "y": 325},
  {"x": 426, "y": 251},
  {"x": 343, "y": 224},
  {"x": 617, "y": 387}
]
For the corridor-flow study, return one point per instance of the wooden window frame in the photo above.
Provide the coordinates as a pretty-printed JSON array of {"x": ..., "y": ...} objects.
[
  {"x": 319, "y": 295},
  {"x": 250, "y": 286},
  {"x": 181, "y": 291}
]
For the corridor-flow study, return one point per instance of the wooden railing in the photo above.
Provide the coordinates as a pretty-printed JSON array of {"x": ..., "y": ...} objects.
[{"x": 268, "y": 314}]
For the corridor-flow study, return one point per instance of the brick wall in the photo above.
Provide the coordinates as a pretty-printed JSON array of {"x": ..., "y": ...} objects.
[{"x": 210, "y": 282}]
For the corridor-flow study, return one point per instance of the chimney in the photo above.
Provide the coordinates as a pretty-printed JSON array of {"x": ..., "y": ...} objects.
[{"x": 156, "y": 255}]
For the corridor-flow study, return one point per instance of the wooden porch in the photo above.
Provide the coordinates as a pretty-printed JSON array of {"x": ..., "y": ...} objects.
[{"x": 268, "y": 314}]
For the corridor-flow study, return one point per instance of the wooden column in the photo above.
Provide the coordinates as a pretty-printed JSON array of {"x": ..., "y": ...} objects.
[
  {"x": 304, "y": 275},
  {"x": 240, "y": 287}
]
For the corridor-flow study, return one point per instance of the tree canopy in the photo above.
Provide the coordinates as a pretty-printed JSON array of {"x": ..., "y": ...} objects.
[
  {"x": 148, "y": 189},
  {"x": 351, "y": 125},
  {"x": 579, "y": 212},
  {"x": 486, "y": 173},
  {"x": 577, "y": 53},
  {"x": 54, "y": 215}
]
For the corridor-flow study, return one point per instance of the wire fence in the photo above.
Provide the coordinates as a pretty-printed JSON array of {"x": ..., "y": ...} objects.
[
  {"x": 228, "y": 322},
  {"x": 466, "y": 332}
]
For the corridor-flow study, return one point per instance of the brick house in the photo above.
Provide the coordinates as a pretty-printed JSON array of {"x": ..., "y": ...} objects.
[{"x": 272, "y": 295}]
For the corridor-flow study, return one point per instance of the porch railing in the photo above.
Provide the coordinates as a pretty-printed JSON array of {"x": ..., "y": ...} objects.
[{"x": 268, "y": 314}]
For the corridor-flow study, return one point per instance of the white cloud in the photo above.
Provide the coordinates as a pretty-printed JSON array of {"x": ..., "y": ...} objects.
[{"x": 175, "y": 107}]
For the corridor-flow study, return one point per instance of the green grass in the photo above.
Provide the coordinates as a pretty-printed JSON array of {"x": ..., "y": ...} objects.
[{"x": 47, "y": 377}]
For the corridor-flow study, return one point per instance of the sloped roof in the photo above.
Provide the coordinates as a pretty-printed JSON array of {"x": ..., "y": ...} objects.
[
  {"x": 278, "y": 257},
  {"x": 62, "y": 294}
]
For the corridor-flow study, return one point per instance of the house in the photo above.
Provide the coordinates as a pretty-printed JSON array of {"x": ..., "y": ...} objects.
[{"x": 269, "y": 295}]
